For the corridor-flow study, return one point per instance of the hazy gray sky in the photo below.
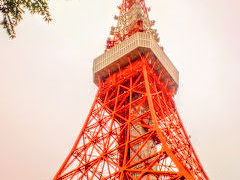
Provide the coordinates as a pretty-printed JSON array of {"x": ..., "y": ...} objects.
[{"x": 46, "y": 87}]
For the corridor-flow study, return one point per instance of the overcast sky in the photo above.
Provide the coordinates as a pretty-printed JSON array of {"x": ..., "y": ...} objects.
[{"x": 46, "y": 87}]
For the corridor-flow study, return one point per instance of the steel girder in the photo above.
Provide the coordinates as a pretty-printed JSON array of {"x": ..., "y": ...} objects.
[{"x": 133, "y": 131}]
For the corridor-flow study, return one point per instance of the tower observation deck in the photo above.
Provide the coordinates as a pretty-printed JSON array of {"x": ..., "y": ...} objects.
[{"x": 133, "y": 130}]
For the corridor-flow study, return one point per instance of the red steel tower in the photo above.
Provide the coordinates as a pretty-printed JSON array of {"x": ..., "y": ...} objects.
[{"x": 133, "y": 130}]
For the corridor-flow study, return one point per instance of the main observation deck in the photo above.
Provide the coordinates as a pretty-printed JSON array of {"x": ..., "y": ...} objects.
[{"x": 129, "y": 49}]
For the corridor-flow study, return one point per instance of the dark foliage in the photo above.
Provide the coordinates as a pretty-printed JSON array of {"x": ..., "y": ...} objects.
[{"x": 12, "y": 12}]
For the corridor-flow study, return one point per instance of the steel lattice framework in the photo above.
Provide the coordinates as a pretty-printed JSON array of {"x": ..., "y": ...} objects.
[{"x": 133, "y": 130}]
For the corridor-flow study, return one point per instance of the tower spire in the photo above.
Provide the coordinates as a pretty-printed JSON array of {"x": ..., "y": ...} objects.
[
  {"x": 133, "y": 18},
  {"x": 127, "y": 4}
]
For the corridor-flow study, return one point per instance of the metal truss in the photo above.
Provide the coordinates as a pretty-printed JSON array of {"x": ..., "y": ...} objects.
[
  {"x": 133, "y": 18},
  {"x": 133, "y": 132}
]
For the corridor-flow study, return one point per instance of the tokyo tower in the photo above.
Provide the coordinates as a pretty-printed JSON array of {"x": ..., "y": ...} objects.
[{"x": 133, "y": 130}]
